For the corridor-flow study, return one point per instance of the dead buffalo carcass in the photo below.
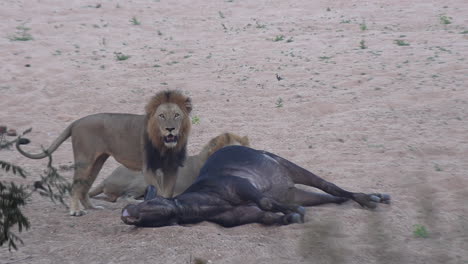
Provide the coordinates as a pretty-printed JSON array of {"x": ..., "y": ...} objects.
[{"x": 239, "y": 185}]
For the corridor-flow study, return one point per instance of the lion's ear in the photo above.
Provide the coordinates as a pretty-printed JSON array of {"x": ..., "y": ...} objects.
[{"x": 188, "y": 105}]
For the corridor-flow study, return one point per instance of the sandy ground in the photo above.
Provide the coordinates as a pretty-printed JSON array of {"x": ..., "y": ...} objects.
[{"x": 356, "y": 108}]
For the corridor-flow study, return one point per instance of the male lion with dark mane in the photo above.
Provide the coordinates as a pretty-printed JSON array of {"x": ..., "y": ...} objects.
[{"x": 154, "y": 143}]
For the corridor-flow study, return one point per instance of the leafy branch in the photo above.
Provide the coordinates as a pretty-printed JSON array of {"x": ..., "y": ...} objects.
[
  {"x": 14, "y": 197},
  {"x": 5, "y": 144}
]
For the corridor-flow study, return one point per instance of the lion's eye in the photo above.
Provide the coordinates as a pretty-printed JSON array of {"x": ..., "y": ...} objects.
[
  {"x": 176, "y": 115},
  {"x": 161, "y": 116}
]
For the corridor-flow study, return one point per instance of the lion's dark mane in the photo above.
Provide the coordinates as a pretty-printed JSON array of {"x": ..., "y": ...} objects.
[{"x": 168, "y": 161}]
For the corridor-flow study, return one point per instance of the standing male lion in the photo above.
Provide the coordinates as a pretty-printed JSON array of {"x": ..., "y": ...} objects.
[{"x": 154, "y": 143}]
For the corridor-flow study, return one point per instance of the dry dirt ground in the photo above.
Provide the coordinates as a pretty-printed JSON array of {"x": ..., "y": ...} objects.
[{"x": 373, "y": 97}]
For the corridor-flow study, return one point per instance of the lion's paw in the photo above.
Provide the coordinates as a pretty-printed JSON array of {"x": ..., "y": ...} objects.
[{"x": 77, "y": 212}]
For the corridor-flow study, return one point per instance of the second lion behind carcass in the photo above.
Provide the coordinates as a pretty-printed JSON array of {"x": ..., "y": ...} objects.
[{"x": 123, "y": 182}]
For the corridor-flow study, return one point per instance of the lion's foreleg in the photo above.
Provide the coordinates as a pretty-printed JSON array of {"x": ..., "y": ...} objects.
[
  {"x": 164, "y": 182},
  {"x": 169, "y": 182},
  {"x": 151, "y": 178}
]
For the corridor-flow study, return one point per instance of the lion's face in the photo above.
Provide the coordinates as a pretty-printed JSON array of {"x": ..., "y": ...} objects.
[{"x": 170, "y": 120}]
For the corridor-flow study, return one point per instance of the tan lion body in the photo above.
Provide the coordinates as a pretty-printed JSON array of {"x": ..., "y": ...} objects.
[
  {"x": 154, "y": 143},
  {"x": 128, "y": 183}
]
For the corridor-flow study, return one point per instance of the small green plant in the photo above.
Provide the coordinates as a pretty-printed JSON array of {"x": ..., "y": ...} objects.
[
  {"x": 381, "y": 146},
  {"x": 258, "y": 25},
  {"x": 135, "y": 21},
  {"x": 363, "y": 26},
  {"x": 445, "y": 20},
  {"x": 278, "y": 38},
  {"x": 22, "y": 34},
  {"x": 121, "y": 57},
  {"x": 362, "y": 44},
  {"x": 437, "y": 167},
  {"x": 195, "y": 120},
  {"x": 464, "y": 32},
  {"x": 22, "y": 37},
  {"x": 279, "y": 103},
  {"x": 420, "y": 231},
  {"x": 324, "y": 57},
  {"x": 401, "y": 42}
]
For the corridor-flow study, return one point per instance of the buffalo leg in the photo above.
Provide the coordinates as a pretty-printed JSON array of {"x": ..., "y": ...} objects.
[
  {"x": 306, "y": 198},
  {"x": 248, "y": 192},
  {"x": 300, "y": 175},
  {"x": 241, "y": 215}
]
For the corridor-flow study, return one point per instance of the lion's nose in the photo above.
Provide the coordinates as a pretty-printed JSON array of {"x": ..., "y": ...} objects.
[{"x": 170, "y": 129}]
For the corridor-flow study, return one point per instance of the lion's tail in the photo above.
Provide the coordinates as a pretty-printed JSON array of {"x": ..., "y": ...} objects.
[
  {"x": 23, "y": 141},
  {"x": 98, "y": 190}
]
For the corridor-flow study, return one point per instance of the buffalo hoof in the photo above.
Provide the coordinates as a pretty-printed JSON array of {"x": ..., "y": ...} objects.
[
  {"x": 301, "y": 211},
  {"x": 381, "y": 198},
  {"x": 371, "y": 200},
  {"x": 294, "y": 218}
]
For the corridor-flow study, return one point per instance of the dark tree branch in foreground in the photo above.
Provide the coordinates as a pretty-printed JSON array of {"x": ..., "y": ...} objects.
[{"x": 14, "y": 197}]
